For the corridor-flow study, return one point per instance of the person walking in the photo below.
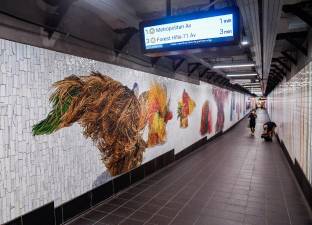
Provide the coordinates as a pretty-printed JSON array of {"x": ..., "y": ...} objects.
[{"x": 252, "y": 121}]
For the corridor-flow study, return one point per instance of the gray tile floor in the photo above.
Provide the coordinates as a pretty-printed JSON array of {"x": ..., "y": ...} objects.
[{"x": 234, "y": 180}]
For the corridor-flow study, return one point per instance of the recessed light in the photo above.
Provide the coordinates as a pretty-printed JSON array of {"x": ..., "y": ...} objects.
[
  {"x": 241, "y": 74},
  {"x": 245, "y": 42},
  {"x": 221, "y": 66}
]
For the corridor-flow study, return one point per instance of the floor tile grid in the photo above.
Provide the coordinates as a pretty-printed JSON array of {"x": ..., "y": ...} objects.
[
  {"x": 196, "y": 167},
  {"x": 236, "y": 181},
  {"x": 122, "y": 205},
  {"x": 249, "y": 211},
  {"x": 254, "y": 184},
  {"x": 206, "y": 204},
  {"x": 116, "y": 196},
  {"x": 180, "y": 177},
  {"x": 282, "y": 168},
  {"x": 291, "y": 176},
  {"x": 260, "y": 186},
  {"x": 164, "y": 176},
  {"x": 270, "y": 175},
  {"x": 266, "y": 176},
  {"x": 247, "y": 184},
  {"x": 267, "y": 202},
  {"x": 261, "y": 183},
  {"x": 186, "y": 203},
  {"x": 249, "y": 180}
]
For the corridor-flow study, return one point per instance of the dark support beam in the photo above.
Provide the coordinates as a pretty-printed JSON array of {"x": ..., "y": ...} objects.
[
  {"x": 217, "y": 79},
  {"x": 212, "y": 7},
  {"x": 169, "y": 10},
  {"x": 279, "y": 70},
  {"x": 52, "y": 2},
  {"x": 278, "y": 60},
  {"x": 54, "y": 19},
  {"x": 276, "y": 74},
  {"x": 294, "y": 35},
  {"x": 298, "y": 46},
  {"x": 283, "y": 36},
  {"x": 210, "y": 76},
  {"x": 214, "y": 79},
  {"x": 299, "y": 12},
  {"x": 191, "y": 67},
  {"x": 201, "y": 74},
  {"x": 289, "y": 57},
  {"x": 127, "y": 35},
  {"x": 176, "y": 64},
  {"x": 155, "y": 60},
  {"x": 273, "y": 80},
  {"x": 283, "y": 64},
  {"x": 221, "y": 81},
  {"x": 225, "y": 82},
  {"x": 276, "y": 79}
]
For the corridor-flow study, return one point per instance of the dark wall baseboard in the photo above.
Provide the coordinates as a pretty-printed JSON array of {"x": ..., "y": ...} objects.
[
  {"x": 191, "y": 148},
  {"x": 285, "y": 151},
  {"x": 84, "y": 202},
  {"x": 204, "y": 141},
  {"x": 303, "y": 182},
  {"x": 40, "y": 216},
  {"x": 48, "y": 215},
  {"x": 301, "y": 178}
]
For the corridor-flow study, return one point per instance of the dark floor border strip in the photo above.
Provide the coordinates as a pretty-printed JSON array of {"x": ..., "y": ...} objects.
[{"x": 301, "y": 178}]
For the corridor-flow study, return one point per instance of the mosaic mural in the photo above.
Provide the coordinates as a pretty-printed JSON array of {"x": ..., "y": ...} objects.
[
  {"x": 206, "y": 119},
  {"x": 220, "y": 96},
  {"x": 185, "y": 108}
]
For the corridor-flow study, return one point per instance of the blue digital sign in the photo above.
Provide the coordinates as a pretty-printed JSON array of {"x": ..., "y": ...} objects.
[{"x": 189, "y": 32}]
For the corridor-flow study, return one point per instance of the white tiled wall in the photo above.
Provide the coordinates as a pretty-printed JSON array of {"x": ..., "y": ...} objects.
[
  {"x": 64, "y": 165},
  {"x": 290, "y": 108}
]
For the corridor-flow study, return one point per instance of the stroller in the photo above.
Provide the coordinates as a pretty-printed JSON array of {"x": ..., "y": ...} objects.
[{"x": 267, "y": 134}]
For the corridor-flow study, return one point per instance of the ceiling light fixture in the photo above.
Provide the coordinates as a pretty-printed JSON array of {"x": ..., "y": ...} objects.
[
  {"x": 241, "y": 80},
  {"x": 251, "y": 83},
  {"x": 234, "y": 65},
  {"x": 244, "y": 42},
  {"x": 241, "y": 74},
  {"x": 251, "y": 86}
]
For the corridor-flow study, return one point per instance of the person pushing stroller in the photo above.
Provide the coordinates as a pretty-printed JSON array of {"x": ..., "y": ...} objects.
[{"x": 269, "y": 129}]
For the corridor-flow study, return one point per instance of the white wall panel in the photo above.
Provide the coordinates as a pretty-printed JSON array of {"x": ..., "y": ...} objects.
[{"x": 290, "y": 108}]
